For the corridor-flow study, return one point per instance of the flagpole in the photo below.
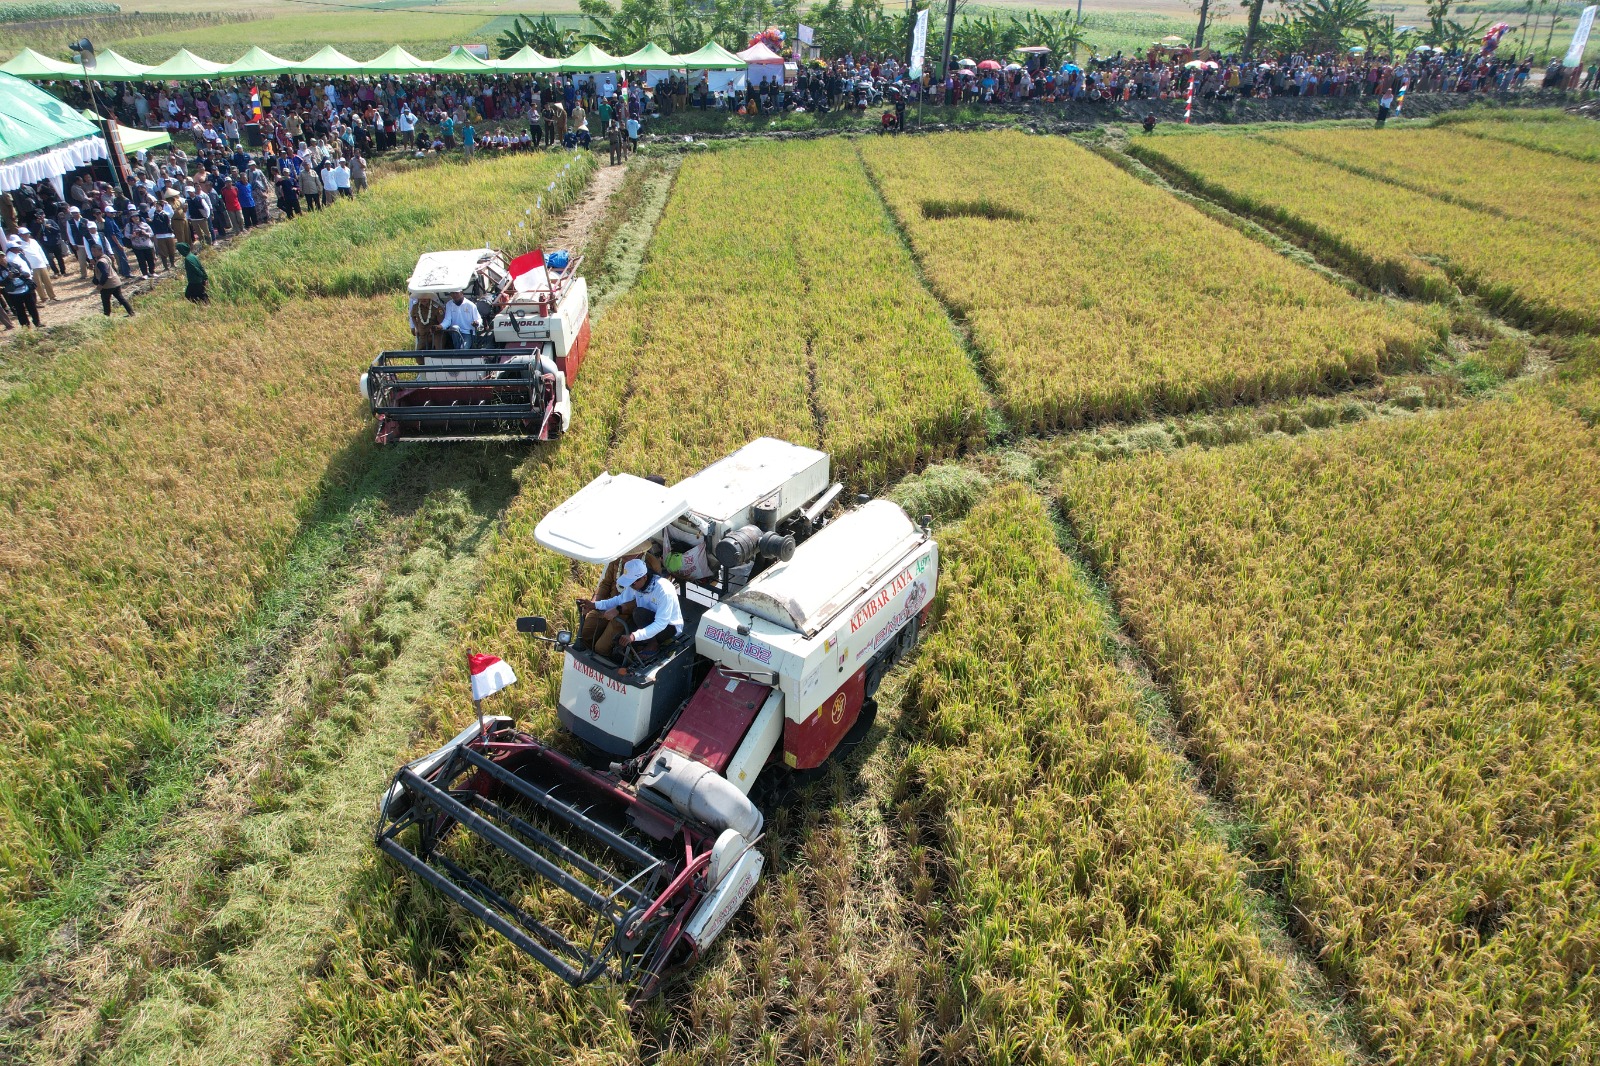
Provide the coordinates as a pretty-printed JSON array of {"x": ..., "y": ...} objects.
[{"x": 477, "y": 704}]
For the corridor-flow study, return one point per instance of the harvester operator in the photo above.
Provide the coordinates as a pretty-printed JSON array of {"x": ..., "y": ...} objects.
[
  {"x": 462, "y": 320},
  {"x": 656, "y": 612}
]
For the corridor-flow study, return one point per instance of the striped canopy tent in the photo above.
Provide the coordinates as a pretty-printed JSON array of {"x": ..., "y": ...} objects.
[
  {"x": 109, "y": 66},
  {"x": 328, "y": 60},
  {"x": 257, "y": 61},
  {"x": 651, "y": 57},
  {"x": 526, "y": 61},
  {"x": 590, "y": 60},
  {"x": 461, "y": 61},
  {"x": 185, "y": 66},
  {"x": 36, "y": 67},
  {"x": 41, "y": 137},
  {"x": 712, "y": 57},
  {"x": 397, "y": 61}
]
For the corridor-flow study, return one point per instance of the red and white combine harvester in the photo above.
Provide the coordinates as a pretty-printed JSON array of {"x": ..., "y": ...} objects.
[
  {"x": 791, "y": 620},
  {"x": 512, "y": 377}
]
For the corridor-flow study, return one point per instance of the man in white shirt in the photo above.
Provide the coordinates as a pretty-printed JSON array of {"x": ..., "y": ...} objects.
[
  {"x": 656, "y": 611},
  {"x": 407, "y": 125},
  {"x": 461, "y": 321},
  {"x": 341, "y": 175},
  {"x": 330, "y": 183},
  {"x": 38, "y": 262}
]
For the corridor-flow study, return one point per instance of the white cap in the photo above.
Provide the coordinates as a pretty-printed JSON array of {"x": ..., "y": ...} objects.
[{"x": 632, "y": 571}]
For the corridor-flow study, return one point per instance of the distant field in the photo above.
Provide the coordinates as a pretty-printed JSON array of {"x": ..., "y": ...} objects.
[{"x": 295, "y": 36}]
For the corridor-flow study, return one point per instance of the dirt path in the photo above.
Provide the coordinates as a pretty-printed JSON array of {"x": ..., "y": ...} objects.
[{"x": 573, "y": 230}]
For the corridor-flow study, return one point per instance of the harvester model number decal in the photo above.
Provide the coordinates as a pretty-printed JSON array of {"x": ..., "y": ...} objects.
[{"x": 750, "y": 649}]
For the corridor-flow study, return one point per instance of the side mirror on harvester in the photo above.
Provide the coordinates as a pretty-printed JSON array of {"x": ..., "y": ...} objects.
[{"x": 532, "y": 623}]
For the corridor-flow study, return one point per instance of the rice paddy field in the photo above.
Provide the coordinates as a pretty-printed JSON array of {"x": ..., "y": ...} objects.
[{"x": 1254, "y": 720}]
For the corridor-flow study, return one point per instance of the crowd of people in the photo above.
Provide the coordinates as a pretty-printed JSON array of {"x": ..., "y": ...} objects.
[{"x": 293, "y": 144}]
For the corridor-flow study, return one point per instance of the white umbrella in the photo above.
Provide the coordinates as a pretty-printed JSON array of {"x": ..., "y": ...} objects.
[
  {"x": 1013, "y": 66},
  {"x": 965, "y": 63}
]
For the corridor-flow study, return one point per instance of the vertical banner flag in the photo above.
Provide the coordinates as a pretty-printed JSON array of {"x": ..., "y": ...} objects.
[
  {"x": 1580, "y": 38},
  {"x": 919, "y": 44},
  {"x": 255, "y": 103}
]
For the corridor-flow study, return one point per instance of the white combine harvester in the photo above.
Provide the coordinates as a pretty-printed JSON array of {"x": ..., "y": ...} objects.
[
  {"x": 516, "y": 377},
  {"x": 791, "y": 621}
]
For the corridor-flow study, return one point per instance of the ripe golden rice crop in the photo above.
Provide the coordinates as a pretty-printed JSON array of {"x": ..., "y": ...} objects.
[
  {"x": 1384, "y": 647},
  {"x": 368, "y": 244},
  {"x": 1092, "y": 295},
  {"x": 1550, "y": 131},
  {"x": 1087, "y": 910},
  {"x": 790, "y": 307},
  {"x": 1396, "y": 237},
  {"x": 150, "y": 487},
  {"x": 1561, "y": 194},
  {"x": 144, "y": 510}
]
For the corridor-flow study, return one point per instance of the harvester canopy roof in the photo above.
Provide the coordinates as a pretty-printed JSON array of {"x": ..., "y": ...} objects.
[
  {"x": 134, "y": 138},
  {"x": 185, "y": 66},
  {"x": 651, "y": 57},
  {"x": 30, "y": 64},
  {"x": 609, "y": 516},
  {"x": 832, "y": 569},
  {"x": 711, "y": 57},
  {"x": 526, "y": 61},
  {"x": 329, "y": 60},
  {"x": 591, "y": 60},
  {"x": 446, "y": 272},
  {"x": 256, "y": 61}
]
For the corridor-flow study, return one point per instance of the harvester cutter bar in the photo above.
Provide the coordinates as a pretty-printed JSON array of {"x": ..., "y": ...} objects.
[
  {"x": 561, "y": 809},
  {"x": 510, "y": 928}
]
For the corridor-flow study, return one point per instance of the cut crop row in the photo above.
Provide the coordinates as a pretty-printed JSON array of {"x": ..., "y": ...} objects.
[
  {"x": 150, "y": 490},
  {"x": 1559, "y": 194},
  {"x": 1092, "y": 295},
  {"x": 1383, "y": 645},
  {"x": 1394, "y": 237},
  {"x": 368, "y": 244}
]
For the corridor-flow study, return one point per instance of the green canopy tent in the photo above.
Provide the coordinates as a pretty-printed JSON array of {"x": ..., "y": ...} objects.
[
  {"x": 36, "y": 67},
  {"x": 258, "y": 61},
  {"x": 397, "y": 61},
  {"x": 526, "y": 61},
  {"x": 711, "y": 57},
  {"x": 461, "y": 61},
  {"x": 109, "y": 66},
  {"x": 328, "y": 60},
  {"x": 184, "y": 66},
  {"x": 651, "y": 57},
  {"x": 590, "y": 60},
  {"x": 134, "y": 138},
  {"x": 41, "y": 137}
]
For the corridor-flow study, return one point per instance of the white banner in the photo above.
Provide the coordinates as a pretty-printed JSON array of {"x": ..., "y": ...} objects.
[
  {"x": 807, "y": 35},
  {"x": 1580, "y": 38},
  {"x": 919, "y": 44}
]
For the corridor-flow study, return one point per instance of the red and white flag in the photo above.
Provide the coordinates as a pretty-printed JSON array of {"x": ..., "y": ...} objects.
[{"x": 490, "y": 674}]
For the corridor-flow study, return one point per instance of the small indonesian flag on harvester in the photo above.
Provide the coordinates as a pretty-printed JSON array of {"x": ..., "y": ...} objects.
[
  {"x": 524, "y": 265},
  {"x": 489, "y": 675}
]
